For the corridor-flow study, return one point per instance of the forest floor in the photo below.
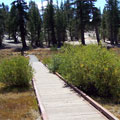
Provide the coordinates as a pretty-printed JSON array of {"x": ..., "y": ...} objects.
[{"x": 17, "y": 103}]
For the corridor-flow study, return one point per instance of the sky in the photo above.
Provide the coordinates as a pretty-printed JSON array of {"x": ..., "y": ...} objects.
[{"x": 100, "y": 3}]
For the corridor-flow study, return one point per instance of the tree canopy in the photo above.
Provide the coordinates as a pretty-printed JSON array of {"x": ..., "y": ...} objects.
[{"x": 56, "y": 23}]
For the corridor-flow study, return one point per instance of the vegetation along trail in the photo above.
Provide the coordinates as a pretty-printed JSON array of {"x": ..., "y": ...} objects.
[{"x": 60, "y": 102}]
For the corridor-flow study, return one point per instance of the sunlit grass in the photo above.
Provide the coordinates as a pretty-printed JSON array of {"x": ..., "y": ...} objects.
[
  {"x": 17, "y": 103},
  {"x": 17, "y": 106},
  {"x": 109, "y": 105}
]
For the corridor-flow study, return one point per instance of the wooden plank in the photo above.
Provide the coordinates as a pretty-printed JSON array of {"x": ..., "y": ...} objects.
[{"x": 58, "y": 101}]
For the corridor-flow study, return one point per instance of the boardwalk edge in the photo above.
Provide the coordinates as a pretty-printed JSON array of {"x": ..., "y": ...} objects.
[
  {"x": 104, "y": 111},
  {"x": 40, "y": 105}
]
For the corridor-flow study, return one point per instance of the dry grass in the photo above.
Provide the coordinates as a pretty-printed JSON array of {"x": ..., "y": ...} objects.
[
  {"x": 18, "y": 106},
  {"x": 109, "y": 105},
  {"x": 113, "y": 108},
  {"x": 17, "y": 103},
  {"x": 42, "y": 53},
  {"x": 116, "y": 50}
]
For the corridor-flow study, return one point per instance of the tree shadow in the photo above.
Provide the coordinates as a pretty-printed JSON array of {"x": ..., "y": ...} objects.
[
  {"x": 14, "y": 42},
  {"x": 15, "y": 89}
]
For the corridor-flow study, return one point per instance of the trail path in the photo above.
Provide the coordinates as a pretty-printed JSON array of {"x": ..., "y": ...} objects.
[{"x": 59, "y": 101}]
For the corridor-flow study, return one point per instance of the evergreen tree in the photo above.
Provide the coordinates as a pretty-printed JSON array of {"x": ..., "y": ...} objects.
[
  {"x": 49, "y": 24},
  {"x": 34, "y": 24},
  {"x": 46, "y": 26},
  {"x": 1, "y": 25},
  {"x": 103, "y": 25},
  {"x": 83, "y": 11},
  {"x": 52, "y": 22},
  {"x": 5, "y": 12},
  {"x": 21, "y": 6},
  {"x": 112, "y": 20},
  {"x": 70, "y": 19},
  {"x": 60, "y": 20},
  {"x": 96, "y": 22},
  {"x": 8, "y": 25},
  {"x": 14, "y": 22}
]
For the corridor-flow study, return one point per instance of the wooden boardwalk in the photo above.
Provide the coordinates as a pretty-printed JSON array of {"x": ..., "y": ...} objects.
[{"x": 60, "y": 102}]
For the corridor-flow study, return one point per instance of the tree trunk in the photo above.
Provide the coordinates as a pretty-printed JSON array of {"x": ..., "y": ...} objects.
[
  {"x": 115, "y": 39},
  {"x": 23, "y": 40},
  {"x": 111, "y": 36},
  {"x": 103, "y": 37},
  {"x": 82, "y": 36},
  {"x": 82, "y": 31},
  {"x": 38, "y": 39},
  {"x": 48, "y": 39},
  {"x": 59, "y": 38},
  {"x": 54, "y": 41},
  {"x": 22, "y": 28},
  {"x": 36, "y": 43},
  {"x": 0, "y": 41},
  {"x": 82, "y": 25},
  {"x": 15, "y": 39},
  {"x": 71, "y": 37},
  {"x": 52, "y": 25},
  {"x": 97, "y": 34},
  {"x": 9, "y": 35}
]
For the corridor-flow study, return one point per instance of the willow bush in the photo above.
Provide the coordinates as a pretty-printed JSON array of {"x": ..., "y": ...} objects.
[
  {"x": 16, "y": 71},
  {"x": 91, "y": 68}
]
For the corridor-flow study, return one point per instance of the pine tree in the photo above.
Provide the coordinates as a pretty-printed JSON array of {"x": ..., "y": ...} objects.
[
  {"x": 52, "y": 23},
  {"x": 21, "y": 6},
  {"x": 49, "y": 24},
  {"x": 60, "y": 20},
  {"x": 112, "y": 20},
  {"x": 8, "y": 25},
  {"x": 5, "y": 12},
  {"x": 34, "y": 24},
  {"x": 103, "y": 25},
  {"x": 14, "y": 22},
  {"x": 1, "y": 25},
  {"x": 96, "y": 22},
  {"x": 46, "y": 26},
  {"x": 70, "y": 19},
  {"x": 83, "y": 11}
]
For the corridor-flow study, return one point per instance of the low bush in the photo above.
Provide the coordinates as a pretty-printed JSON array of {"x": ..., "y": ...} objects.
[
  {"x": 16, "y": 71},
  {"x": 54, "y": 63},
  {"x": 53, "y": 48},
  {"x": 91, "y": 68}
]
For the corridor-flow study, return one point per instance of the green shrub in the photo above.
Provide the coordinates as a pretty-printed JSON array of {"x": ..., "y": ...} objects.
[
  {"x": 54, "y": 63},
  {"x": 92, "y": 68},
  {"x": 46, "y": 60},
  {"x": 53, "y": 48},
  {"x": 16, "y": 71}
]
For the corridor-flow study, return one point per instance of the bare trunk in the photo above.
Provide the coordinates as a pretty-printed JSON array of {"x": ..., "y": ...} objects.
[
  {"x": 116, "y": 41},
  {"x": 54, "y": 42},
  {"x": 71, "y": 37},
  {"x": 22, "y": 29},
  {"x": 23, "y": 40},
  {"x": 111, "y": 36},
  {"x": 48, "y": 39},
  {"x": 0, "y": 41},
  {"x": 97, "y": 34},
  {"x": 82, "y": 36},
  {"x": 82, "y": 26},
  {"x": 15, "y": 39}
]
